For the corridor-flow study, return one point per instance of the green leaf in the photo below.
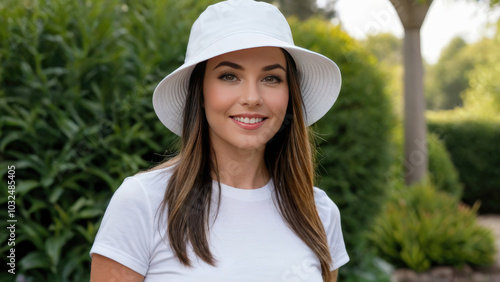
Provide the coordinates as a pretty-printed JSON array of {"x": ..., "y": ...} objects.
[
  {"x": 24, "y": 186},
  {"x": 34, "y": 260},
  {"x": 53, "y": 247},
  {"x": 34, "y": 232},
  {"x": 55, "y": 194}
]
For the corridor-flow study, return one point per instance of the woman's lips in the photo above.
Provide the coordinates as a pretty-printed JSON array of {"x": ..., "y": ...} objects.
[{"x": 249, "y": 123}]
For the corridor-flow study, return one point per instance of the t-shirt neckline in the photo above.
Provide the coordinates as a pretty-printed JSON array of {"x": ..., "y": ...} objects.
[{"x": 256, "y": 194}]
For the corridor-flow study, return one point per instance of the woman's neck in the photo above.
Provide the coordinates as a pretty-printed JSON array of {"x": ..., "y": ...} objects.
[{"x": 245, "y": 169}]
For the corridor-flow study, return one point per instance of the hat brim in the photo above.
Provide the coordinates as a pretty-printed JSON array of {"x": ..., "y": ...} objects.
[{"x": 320, "y": 78}]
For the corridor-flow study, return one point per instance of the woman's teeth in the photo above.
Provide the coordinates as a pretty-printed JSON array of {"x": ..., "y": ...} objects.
[{"x": 248, "y": 120}]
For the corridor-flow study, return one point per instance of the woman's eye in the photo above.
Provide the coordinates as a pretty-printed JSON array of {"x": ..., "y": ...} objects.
[
  {"x": 228, "y": 77},
  {"x": 272, "y": 79}
]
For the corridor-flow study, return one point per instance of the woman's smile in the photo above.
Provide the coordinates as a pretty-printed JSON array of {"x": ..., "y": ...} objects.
[{"x": 249, "y": 121}]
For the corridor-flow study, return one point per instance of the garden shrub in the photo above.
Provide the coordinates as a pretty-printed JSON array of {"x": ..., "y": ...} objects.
[
  {"x": 442, "y": 172},
  {"x": 354, "y": 143},
  {"x": 474, "y": 145},
  {"x": 421, "y": 227}
]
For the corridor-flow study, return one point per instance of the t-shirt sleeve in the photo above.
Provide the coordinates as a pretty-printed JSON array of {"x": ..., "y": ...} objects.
[
  {"x": 126, "y": 229},
  {"x": 330, "y": 216}
]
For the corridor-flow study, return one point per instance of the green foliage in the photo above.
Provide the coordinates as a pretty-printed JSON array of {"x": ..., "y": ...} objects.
[
  {"x": 442, "y": 172},
  {"x": 471, "y": 133},
  {"x": 483, "y": 96},
  {"x": 421, "y": 228},
  {"x": 386, "y": 47},
  {"x": 460, "y": 68},
  {"x": 494, "y": 3},
  {"x": 354, "y": 151},
  {"x": 76, "y": 80},
  {"x": 473, "y": 145},
  {"x": 304, "y": 9},
  {"x": 448, "y": 77}
]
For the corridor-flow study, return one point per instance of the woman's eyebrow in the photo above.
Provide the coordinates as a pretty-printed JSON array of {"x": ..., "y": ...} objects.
[
  {"x": 272, "y": 67},
  {"x": 238, "y": 67},
  {"x": 229, "y": 64}
]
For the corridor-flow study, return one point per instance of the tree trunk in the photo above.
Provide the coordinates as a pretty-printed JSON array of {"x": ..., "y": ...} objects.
[
  {"x": 416, "y": 158},
  {"x": 412, "y": 14}
]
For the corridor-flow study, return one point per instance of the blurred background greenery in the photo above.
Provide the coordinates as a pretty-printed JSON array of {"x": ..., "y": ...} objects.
[{"x": 76, "y": 79}]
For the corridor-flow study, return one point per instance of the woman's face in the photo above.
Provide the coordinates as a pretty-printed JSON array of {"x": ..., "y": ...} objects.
[{"x": 245, "y": 97}]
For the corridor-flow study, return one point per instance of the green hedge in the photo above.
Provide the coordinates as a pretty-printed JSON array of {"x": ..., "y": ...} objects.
[
  {"x": 76, "y": 79},
  {"x": 422, "y": 227},
  {"x": 354, "y": 138},
  {"x": 474, "y": 145}
]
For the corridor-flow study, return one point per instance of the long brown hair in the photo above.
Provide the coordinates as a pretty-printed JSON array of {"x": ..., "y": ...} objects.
[{"x": 289, "y": 157}]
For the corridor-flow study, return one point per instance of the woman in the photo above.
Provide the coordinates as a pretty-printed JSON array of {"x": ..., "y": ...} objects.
[{"x": 238, "y": 202}]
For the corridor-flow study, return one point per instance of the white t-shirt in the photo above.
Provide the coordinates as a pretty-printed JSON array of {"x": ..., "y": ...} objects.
[{"x": 249, "y": 238}]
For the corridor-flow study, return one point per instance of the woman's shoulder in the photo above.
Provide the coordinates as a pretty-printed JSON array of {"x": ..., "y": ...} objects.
[
  {"x": 325, "y": 205},
  {"x": 156, "y": 178},
  {"x": 147, "y": 186}
]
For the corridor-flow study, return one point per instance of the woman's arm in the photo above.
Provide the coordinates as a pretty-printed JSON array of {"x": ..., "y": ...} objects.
[
  {"x": 107, "y": 270},
  {"x": 334, "y": 275}
]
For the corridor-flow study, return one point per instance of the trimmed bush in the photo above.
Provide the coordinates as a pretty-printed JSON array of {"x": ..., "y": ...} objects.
[
  {"x": 474, "y": 145},
  {"x": 354, "y": 141},
  {"x": 421, "y": 228},
  {"x": 442, "y": 172}
]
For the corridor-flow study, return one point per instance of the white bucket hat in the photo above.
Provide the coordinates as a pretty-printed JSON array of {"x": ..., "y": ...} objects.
[{"x": 241, "y": 24}]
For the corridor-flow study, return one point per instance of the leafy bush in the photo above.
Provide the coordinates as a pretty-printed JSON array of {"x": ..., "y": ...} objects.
[
  {"x": 354, "y": 150},
  {"x": 421, "y": 228},
  {"x": 474, "y": 149},
  {"x": 76, "y": 80},
  {"x": 442, "y": 172}
]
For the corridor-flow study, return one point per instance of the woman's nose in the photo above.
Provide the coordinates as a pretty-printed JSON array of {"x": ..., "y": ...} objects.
[{"x": 250, "y": 95}]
